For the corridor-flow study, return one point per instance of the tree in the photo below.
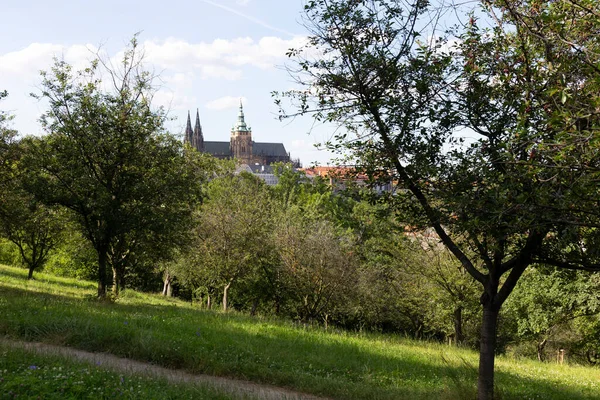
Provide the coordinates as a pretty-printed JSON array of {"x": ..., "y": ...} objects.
[
  {"x": 32, "y": 227},
  {"x": 7, "y": 150},
  {"x": 497, "y": 204},
  {"x": 232, "y": 235},
  {"x": 408, "y": 281},
  {"x": 317, "y": 267},
  {"x": 549, "y": 302},
  {"x": 107, "y": 158}
]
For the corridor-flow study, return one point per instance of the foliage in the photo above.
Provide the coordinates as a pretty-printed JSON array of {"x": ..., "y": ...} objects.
[
  {"x": 7, "y": 136},
  {"x": 107, "y": 159},
  {"x": 33, "y": 228},
  {"x": 553, "y": 307},
  {"x": 9, "y": 253},
  {"x": 317, "y": 267},
  {"x": 232, "y": 235},
  {"x": 501, "y": 203},
  {"x": 73, "y": 257}
]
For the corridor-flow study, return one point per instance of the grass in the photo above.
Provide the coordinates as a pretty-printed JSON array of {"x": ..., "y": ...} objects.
[
  {"x": 25, "y": 375},
  {"x": 340, "y": 365}
]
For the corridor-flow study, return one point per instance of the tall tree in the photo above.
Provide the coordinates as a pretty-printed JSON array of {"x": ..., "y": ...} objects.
[
  {"x": 106, "y": 156},
  {"x": 498, "y": 206}
]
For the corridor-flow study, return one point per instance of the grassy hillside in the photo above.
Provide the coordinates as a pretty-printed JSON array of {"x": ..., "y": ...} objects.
[
  {"x": 25, "y": 375},
  {"x": 174, "y": 334}
]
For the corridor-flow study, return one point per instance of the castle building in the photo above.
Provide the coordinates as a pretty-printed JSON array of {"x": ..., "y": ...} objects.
[{"x": 240, "y": 146}]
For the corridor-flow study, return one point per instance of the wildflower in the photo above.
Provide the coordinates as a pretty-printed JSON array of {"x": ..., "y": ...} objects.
[{"x": 33, "y": 367}]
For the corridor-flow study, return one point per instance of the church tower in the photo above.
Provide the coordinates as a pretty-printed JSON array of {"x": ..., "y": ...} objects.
[
  {"x": 241, "y": 138},
  {"x": 189, "y": 133},
  {"x": 198, "y": 136}
]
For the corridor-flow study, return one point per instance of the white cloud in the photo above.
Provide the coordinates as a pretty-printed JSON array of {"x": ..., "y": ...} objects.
[
  {"x": 29, "y": 61},
  {"x": 225, "y": 103},
  {"x": 220, "y": 72},
  {"x": 220, "y": 58},
  {"x": 243, "y": 2},
  {"x": 178, "y": 79},
  {"x": 173, "y": 100}
]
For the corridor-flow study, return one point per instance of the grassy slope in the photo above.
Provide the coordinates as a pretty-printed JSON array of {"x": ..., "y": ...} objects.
[
  {"x": 340, "y": 365},
  {"x": 24, "y": 375}
]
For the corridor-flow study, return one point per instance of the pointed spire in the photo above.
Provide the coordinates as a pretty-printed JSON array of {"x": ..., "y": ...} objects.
[
  {"x": 198, "y": 136},
  {"x": 241, "y": 122},
  {"x": 189, "y": 133}
]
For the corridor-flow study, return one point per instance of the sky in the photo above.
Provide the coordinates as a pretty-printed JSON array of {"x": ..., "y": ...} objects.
[{"x": 209, "y": 54}]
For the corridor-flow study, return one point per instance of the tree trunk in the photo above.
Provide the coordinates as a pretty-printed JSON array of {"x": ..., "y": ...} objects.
[
  {"x": 540, "y": 349},
  {"x": 208, "y": 302},
  {"x": 458, "y": 331},
  {"x": 225, "y": 290},
  {"x": 254, "y": 307},
  {"x": 115, "y": 287},
  {"x": 485, "y": 384},
  {"x": 277, "y": 305},
  {"x": 30, "y": 274},
  {"x": 121, "y": 278},
  {"x": 167, "y": 289},
  {"x": 102, "y": 259}
]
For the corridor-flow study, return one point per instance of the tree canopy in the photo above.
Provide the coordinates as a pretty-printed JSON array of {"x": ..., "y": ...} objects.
[
  {"x": 107, "y": 158},
  {"x": 506, "y": 199}
]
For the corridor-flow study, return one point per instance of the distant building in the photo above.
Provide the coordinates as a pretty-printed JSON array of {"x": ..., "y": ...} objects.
[
  {"x": 265, "y": 172},
  {"x": 240, "y": 146},
  {"x": 341, "y": 177}
]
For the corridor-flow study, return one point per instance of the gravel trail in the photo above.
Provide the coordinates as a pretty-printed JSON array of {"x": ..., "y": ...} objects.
[{"x": 236, "y": 387}]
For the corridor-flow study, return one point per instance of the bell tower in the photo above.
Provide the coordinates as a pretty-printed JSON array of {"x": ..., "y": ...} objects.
[{"x": 241, "y": 138}]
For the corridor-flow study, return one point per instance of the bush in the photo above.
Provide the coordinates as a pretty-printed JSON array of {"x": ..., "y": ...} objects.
[
  {"x": 73, "y": 258},
  {"x": 9, "y": 253}
]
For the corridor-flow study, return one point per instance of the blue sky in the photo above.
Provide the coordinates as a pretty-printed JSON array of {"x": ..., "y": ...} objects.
[{"x": 209, "y": 53}]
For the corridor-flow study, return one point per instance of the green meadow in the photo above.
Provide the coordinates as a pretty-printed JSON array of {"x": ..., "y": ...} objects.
[
  {"x": 175, "y": 334},
  {"x": 25, "y": 375}
]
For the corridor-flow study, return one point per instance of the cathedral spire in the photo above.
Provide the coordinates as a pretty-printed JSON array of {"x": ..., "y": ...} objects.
[
  {"x": 241, "y": 121},
  {"x": 189, "y": 133},
  {"x": 198, "y": 136}
]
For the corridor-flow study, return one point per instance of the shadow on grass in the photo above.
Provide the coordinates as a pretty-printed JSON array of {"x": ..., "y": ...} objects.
[
  {"x": 47, "y": 279},
  {"x": 338, "y": 366},
  {"x": 13, "y": 274}
]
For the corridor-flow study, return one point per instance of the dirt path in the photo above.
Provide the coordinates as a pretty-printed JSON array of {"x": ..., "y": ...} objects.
[{"x": 227, "y": 385}]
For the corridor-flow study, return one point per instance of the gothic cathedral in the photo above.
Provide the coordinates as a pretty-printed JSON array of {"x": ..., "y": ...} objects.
[{"x": 240, "y": 146}]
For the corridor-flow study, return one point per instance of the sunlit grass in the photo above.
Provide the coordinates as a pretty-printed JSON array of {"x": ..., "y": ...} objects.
[
  {"x": 342, "y": 365},
  {"x": 25, "y": 375}
]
